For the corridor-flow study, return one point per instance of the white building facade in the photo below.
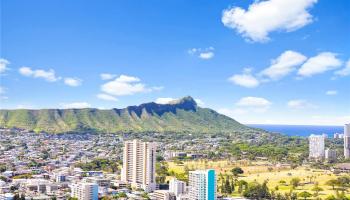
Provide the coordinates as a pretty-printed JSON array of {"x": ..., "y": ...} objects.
[
  {"x": 202, "y": 185},
  {"x": 347, "y": 141},
  {"x": 84, "y": 191},
  {"x": 316, "y": 146},
  {"x": 330, "y": 155},
  {"x": 139, "y": 164},
  {"x": 177, "y": 187}
]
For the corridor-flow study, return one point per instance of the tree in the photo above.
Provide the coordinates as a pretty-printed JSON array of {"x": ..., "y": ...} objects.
[
  {"x": 293, "y": 196},
  {"x": 282, "y": 182},
  {"x": 232, "y": 185},
  {"x": 343, "y": 182},
  {"x": 228, "y": 188},
  {"x": 242, "y": 185},
  {"x": 120, "y": 195},
  {"x": 236, "y": 171},
  {"x": 331, "y": 197},
  {"x": 317, "y": 189},
  {"x": 304, "y": 195},
  {"x": 295, "y": 182},
  {"x": 332, "y": 182},
  {"x": 257, "y": 191},
  {"x": 341, "y": 196},
  {"x": 145, "y": 196},
  {"x": 16, "y": 197}
]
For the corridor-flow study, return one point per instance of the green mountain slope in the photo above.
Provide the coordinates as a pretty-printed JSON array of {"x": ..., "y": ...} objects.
[{"x": 178, "y": 116}]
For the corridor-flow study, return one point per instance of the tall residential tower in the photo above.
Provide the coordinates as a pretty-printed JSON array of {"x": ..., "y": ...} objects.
[
  {"x": 202, "y": 185},
  {"x": 139, "y": 164},
  {"x": 347, "y": 141},
  {"x": 316, "y": 146}
]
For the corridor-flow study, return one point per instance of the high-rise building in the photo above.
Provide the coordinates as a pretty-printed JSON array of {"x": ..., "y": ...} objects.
[
  {"x": 177, "y": 187},
  {"x": 84, "y": 191},
  {"x": 330, "y": 155},
  {"x": 316, "y": 146},
  {"x": 139, "y": 164},
  {"x": 347, "y": 141},
  {"x": 202, "y": 185}
]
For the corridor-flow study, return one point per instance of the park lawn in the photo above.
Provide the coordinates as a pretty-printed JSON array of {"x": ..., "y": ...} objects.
[
  {"x": 274, "y": 177},
  {"x": 261, "y": 171},
  {"x": 221, "y": 166}
]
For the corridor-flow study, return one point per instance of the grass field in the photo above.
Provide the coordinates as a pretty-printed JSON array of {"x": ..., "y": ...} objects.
[{"x": 261, "y": 171}]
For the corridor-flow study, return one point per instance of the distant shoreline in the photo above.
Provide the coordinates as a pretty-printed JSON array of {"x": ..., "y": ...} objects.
[{"x": 299, "y": 130}]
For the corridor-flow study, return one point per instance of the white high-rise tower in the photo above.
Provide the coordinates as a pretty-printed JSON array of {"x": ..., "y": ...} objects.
[
  {"x": 316, "y": 146},
  {"x": 347, "y": 141},
  {"x": 139, "y": 164}
]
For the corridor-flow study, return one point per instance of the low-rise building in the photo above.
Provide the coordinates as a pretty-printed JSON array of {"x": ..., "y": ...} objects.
[{"x": 162, "y": 195}]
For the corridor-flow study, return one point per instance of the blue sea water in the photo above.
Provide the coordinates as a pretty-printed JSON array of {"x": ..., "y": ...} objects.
[{"x": 300, "y": 130}]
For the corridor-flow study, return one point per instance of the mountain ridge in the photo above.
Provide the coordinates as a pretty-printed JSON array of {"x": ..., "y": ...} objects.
[{"x": 178, "y": 116}]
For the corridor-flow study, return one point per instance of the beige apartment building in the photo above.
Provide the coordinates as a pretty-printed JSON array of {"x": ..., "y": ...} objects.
[{"x": 139, "y": 164}]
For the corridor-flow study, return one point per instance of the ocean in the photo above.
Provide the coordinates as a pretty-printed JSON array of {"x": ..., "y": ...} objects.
[{"x": 300, "y": 130}]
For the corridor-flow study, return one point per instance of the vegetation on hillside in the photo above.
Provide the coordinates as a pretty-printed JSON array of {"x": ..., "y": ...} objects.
[{"x": 183, "y": 116}]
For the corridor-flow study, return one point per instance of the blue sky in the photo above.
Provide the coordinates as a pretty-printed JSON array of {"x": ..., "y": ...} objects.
[{"x": 290, "y": 66}]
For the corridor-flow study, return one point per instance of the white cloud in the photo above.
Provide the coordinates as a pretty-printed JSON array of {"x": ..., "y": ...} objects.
[
  {"x": 332, "y": 92},
  {"x": 157, "y": 88},
  {"x": 263, "y": 17},
  {"x": 106, "y": 97},
  {"x": 39, "y": 73},
  {"x": 3, "y": 65},
  {"x": 345, "y": 71},
  {"x": 200, "y": 102},
  {"x": 73, "y": 82},
  {"x": 2, "y": 93},
  {"x": 127, "y": 79},
  {"x": 25, "y": 106},
  {"x": 232, "y": 112},
  {"x": 2, "y": 90},
  {"x": 246, "y": 79},
  {"x": 164, "y": 100},
  {"x": 245, "y": 106},
  {"x": 193, "y": 51},
  {"x": 321, "y": 63},
  {"x": 205, "y": 54},
  {"x": 286, "y": 63},
  {"x": 330, "y": 120},
  {"x": 253, "y": 102},
  {"x": 300, "y": 104},
  {"x": 107, "y": 76},
  {"x": 126, "y": 85},
  {"x": 75, "y": 105}
]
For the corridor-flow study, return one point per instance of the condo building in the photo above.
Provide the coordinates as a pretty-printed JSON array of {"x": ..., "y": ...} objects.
[
  {"x": 338, "y": 136},
  {"x": 347, "y": 141},
  {"x": 330, "y": 155},
  {"x": 202, "y": 185},
  {"x": 84, "y": 191},
  {"x": 177, "y": 187},
  {"x": 316, "y": 146},
  {"x": 139, "y": 164}
]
